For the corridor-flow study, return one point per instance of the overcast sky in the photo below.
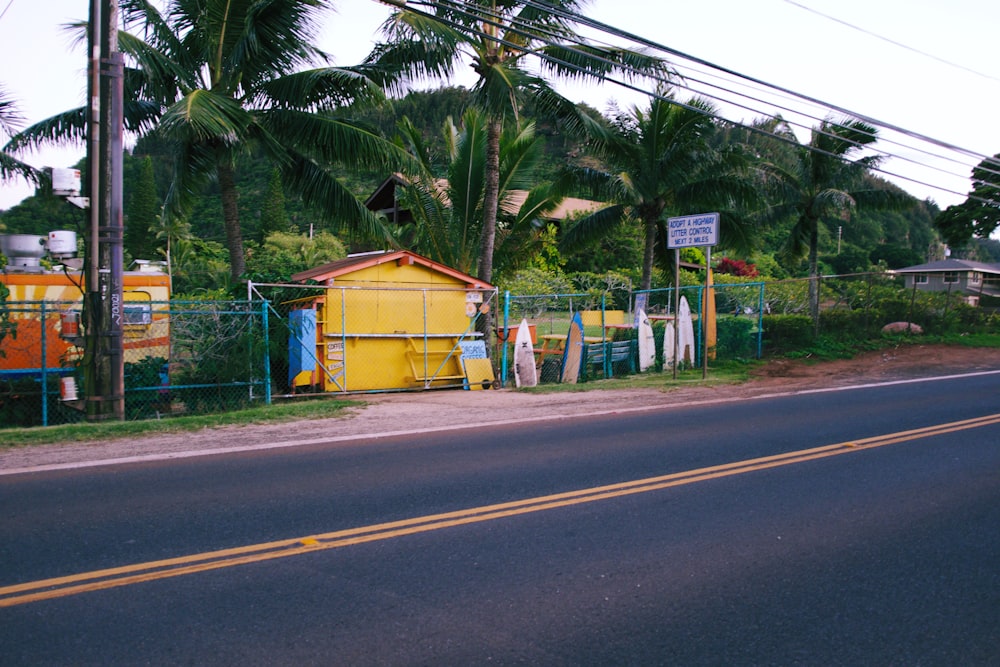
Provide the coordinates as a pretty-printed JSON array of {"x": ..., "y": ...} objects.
[{"x": 923, "y": 66}]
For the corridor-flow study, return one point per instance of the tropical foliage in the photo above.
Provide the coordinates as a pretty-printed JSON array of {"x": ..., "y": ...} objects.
[
  {"x": 10, "y": 122},
  {"x": 448, "y": 213},
  {"x": 658, "y": 162},
  {"x": 824, "y": 182},
  {"x": 979, "y": 215},
  {"x": 219, "y": 79},
  {"x": 428, "y": 39}
]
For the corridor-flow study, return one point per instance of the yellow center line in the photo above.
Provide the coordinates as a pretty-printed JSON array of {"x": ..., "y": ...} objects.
[{"x": 173, "y": 567}]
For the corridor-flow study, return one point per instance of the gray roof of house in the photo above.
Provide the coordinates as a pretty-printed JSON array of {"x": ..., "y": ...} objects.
[{"x": 951, "y": 265}]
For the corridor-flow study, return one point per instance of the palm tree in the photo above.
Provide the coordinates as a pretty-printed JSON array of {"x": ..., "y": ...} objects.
[
  {"x": 448, "y": 214},
  {"x": 660, "y": 162},
  {"x": 223, "y": 79},
  {"x": 10, "y": 121},
  {"x": 824, "y": 180},
  {"x": 499, "y": 37}
]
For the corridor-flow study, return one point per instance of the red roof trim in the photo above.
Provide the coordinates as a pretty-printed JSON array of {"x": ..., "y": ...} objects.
[{"x": 348, "y": 265}]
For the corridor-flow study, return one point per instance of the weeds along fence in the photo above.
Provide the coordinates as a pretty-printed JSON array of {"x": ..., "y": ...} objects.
[{"x": 285, "y": 341}]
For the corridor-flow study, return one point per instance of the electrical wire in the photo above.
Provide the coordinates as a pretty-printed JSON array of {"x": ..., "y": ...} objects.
[
  {"x": 512, "y": 25},
  {"x": 536, "y": 32},
  {"x": 890, "y": 41}
]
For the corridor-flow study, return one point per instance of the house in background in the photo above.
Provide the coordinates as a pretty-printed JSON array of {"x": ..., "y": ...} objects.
[
  {"x": 384, "y": 200},
  {"x": 973, "y": 279}
]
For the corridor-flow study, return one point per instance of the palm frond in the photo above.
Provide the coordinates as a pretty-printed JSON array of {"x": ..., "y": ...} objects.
[
  {"x": 522, "y": 153},
  {"x": 331, "y": 139},
  {"x": 10, "y": 117},
  {"x": 417, "y": 48},
  {"x": 317, "y": 89},
  {"x": 591, "y": 228},
  {"x": 154, "y": 74},
  {"x": 11, "y": 168},
  {"x": 596, "y": 63},
  {"x": 323, "y": 193},
  {"x": 65, "y": 127},
  {"x": 466, "y": 174},
  {"x": 265, "y": 39},
  {"x": 496, "y": 90},
  {"x": 203, "y": 116},
  {"x": 194, "y": 167}
]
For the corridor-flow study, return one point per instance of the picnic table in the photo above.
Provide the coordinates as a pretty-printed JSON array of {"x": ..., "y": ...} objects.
[{"x": 554, "y": 344}]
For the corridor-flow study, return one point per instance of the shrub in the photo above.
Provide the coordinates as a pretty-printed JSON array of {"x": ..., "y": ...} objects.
[
  {"x": 736, "y": 267},
  {"x": 787, "y": 332},
  {"x": 734, "y": 339},
  {"x": 848, "y": 324}
]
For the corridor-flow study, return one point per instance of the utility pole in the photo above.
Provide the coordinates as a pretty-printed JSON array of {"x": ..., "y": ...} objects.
[{"x": 104, "y": 376}]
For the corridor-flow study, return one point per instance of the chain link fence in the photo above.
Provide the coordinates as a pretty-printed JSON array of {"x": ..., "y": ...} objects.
[
  {"x": 180, "y": 357},
  {"x": 612, "y": 318},
  {"x": 287, "y": 341}
]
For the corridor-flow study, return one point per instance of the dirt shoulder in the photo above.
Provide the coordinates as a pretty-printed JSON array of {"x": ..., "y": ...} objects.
[{"x": 381, "y": 415}]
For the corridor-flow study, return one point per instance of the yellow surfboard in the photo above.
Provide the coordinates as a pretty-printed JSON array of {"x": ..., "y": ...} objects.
[{"x": 711, "y": 334}]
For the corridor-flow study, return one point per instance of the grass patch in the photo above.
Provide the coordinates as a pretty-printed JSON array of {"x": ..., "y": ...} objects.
[
  {"x": 91, "y": 431},
  {"x": 719, "y": 373},
  {"x": 829, "y": 348}
]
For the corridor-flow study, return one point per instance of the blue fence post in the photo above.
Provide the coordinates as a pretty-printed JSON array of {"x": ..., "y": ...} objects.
[
  {"x": 760, "y": 322},
  {"x": 45, "y": 374},
  {"x": 503, "y": 356},
  {"x": 267, "y": 353}
]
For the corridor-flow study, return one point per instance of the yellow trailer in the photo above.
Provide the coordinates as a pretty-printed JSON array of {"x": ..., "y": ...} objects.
[{"x": 146, "y": 319}]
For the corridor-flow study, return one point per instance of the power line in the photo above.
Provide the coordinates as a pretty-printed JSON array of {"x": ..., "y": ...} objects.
[
  {"x": 892, "y": 41},
  {"x": 512, "y": 25}
]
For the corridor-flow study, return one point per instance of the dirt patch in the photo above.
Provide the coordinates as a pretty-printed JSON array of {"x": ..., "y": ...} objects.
[
  {"x": 381, "y": 415},
  {"x": 903, "y": 362}
]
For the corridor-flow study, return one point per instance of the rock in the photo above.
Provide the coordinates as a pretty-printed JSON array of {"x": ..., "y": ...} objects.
[{"x": 902, "y": 327}]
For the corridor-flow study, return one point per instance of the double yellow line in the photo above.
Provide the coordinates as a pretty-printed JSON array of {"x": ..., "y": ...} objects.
[{"x": 213, "y": 560}]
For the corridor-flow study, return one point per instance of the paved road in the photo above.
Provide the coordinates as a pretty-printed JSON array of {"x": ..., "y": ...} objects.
[{"x": 851, "y": 527}]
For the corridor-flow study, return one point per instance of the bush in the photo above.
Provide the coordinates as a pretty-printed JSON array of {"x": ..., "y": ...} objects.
[
  {"x": 848, "y": 324},
  {"x": 734, "y": 339},
  {"x": 787, "y": 332},
  {"x": 144, "y": 392}
]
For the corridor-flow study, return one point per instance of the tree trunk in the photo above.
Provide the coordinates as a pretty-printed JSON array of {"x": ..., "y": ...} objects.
[
  {"x": 814, "y": 275},
  {"x": 491, "y": 195},
  {"x": 231, "y": 220},
  {"x": 647, "y": 254}
]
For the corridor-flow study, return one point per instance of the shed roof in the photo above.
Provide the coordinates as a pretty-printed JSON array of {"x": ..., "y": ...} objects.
[
  {"x": 949, "y": 265},
  {"x": 353, "y": 263}
]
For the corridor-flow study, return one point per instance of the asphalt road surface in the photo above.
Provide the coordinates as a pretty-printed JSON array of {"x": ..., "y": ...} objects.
[{"x": 856, "y": 527}]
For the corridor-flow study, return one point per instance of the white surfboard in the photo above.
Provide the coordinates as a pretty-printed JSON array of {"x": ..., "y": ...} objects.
[
  {"x": 685, "y": 334},
  {"x": 573, "y": 351},
  {"x": 647, "y": 344},
  {"x": 525, "y": 373},
  {"x": 668, "y": 345}
]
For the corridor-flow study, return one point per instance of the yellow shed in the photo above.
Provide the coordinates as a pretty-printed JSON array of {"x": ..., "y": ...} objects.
[{"x": 388, "y": 320}]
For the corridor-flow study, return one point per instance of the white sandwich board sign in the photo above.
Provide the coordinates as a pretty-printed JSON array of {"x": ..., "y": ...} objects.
[{"x": 691, "y": 231}]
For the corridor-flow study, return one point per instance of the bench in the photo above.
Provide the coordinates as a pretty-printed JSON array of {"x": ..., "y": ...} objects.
[{"x": 602, "y": 357}]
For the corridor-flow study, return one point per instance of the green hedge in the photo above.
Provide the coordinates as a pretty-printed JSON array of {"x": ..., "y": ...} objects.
[
  {"x": 735, "y": 337},
  {"x": 784, "y": 333}
]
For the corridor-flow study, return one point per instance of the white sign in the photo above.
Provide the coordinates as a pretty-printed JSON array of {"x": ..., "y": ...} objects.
[{"x": 692, "y": 231}]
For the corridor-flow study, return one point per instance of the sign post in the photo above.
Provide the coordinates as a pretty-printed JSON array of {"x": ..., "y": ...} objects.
[{"x": 691, "y": 231}]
